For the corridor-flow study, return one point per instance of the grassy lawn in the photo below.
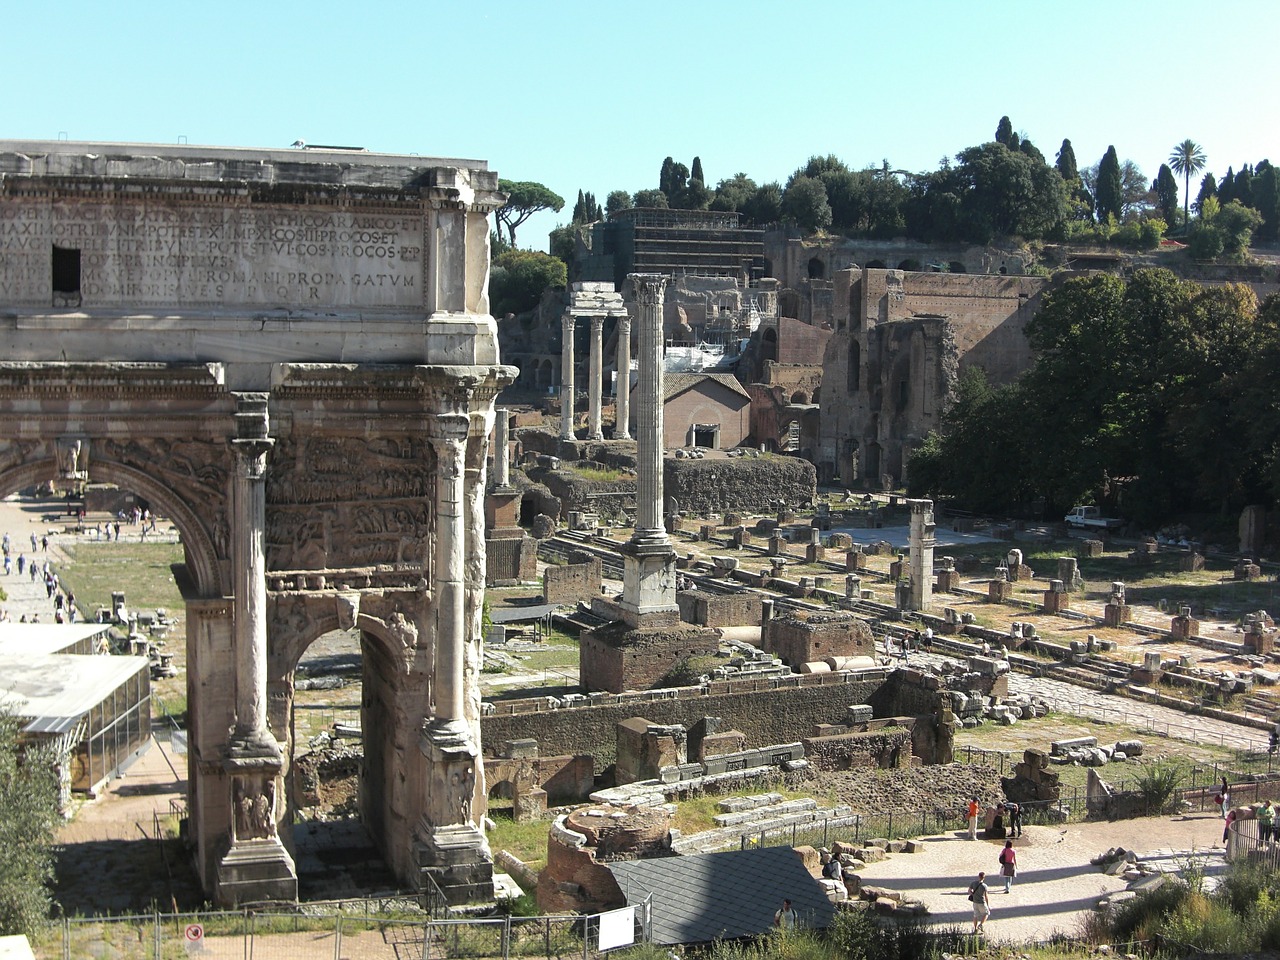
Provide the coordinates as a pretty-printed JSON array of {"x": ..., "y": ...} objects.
[{"x": 144, "y": 572}]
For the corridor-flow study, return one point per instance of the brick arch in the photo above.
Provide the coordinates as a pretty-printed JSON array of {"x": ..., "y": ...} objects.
[{"x": 201, "y": 555}]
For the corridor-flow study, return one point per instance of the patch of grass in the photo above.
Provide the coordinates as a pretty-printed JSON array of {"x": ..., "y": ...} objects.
[
  {"x": 597, "y": 474},
  {"x": 525, "y": 840}
]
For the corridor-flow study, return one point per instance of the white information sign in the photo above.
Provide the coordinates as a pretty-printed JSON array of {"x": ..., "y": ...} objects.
[{"x": 618, "y": 928}]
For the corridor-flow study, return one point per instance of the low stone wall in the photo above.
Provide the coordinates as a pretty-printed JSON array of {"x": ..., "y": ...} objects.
[
  {"x": 887, "y": 749},
  {"x": 746, "y": 484},
  {"x": 765, "y": 711},
  {"x": 719, "y": 610},
  {"x": 571, "y": 582}
]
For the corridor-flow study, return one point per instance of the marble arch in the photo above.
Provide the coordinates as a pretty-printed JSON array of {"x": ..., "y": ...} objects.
[{"x": 290, "y": 353}]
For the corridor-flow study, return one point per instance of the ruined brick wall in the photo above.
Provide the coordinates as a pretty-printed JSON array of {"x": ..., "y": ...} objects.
[
  {"x": 800, "y": 342},
  {"x": 745, "y": 485},
  {"x": 799, "y": 641},
  {"x": 763, "y": 713},
  {"x": 615, "y": 659},
  {"x": 510, "y": 559},
  {"x": 886, "y": 749},
  {"x": 571, "y": 582},
  {"x": 719, "y": 610},
  {"x": 909, "y": 693},
  {"x": 901, "y": 341}
]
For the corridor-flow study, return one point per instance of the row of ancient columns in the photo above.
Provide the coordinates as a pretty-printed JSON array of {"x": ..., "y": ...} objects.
[{"x": 595, "y": 382}]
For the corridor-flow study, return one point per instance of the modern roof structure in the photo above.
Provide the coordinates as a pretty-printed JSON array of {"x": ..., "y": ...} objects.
[
  {"x": 722, "y": 896},
  {"x": 27, "y": 639},
  {"x": 54, "y": 691}
]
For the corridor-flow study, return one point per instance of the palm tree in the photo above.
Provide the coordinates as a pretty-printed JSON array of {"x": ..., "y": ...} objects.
[{"x": 1187, "y": 159}]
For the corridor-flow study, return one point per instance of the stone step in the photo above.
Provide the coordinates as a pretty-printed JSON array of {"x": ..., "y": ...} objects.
[{"x": 773, "y": 810}]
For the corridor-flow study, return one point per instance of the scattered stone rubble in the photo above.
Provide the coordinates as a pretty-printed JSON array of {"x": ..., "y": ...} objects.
[{"x": 1085, "y": 751}]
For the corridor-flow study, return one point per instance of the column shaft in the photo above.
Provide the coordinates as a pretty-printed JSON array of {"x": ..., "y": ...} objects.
[
  {"x": 649, "y": 432},
  {"x": 249, "y": 560},
  {"x": 621, "y": 428},
  {"x": 566, "y": 377},
  {"x": 501, "y": 448},
  {"x": 448, "y": 580},
  {"x": 595, "y": 385}
]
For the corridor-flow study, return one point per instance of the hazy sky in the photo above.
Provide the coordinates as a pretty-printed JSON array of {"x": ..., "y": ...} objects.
[{"x": 593, "y": 95}]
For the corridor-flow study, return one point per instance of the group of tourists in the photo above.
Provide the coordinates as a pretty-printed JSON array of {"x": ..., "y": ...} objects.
[{"x": 1007, "y": 860}]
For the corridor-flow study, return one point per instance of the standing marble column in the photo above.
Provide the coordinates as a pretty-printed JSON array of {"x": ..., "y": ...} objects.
[
  {"x": 648, "y": 572},
  {"x": 502, "y": 448},
  {"x": 596, "y": 383},
  {"x": 621, "y": 427},
  {"x": 248, "y": 560},
  {"x": 256, "y": 866},
  {"x": 649, "y": 426},
  {"x": 449, "y": 440},
  {"x": 566, "y": 377}
]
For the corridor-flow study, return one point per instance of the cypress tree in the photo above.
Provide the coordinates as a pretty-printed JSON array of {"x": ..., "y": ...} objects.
[{"x": 1110, "y": 191}]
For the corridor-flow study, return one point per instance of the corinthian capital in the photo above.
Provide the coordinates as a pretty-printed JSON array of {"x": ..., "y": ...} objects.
[{"x": 649, "y": 287}]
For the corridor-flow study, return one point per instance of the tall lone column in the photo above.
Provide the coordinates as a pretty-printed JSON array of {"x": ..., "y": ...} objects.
[
  {"x": 249, "y": 502},
  {"x": 648, "y": 574},
  {"x": 922, "y": 543},
  {"x": 596, "y": 382},
  {"x": 566, "y": 377},
  {"x": 502, "y": 448},
  {"x": 621, "y": 428}
]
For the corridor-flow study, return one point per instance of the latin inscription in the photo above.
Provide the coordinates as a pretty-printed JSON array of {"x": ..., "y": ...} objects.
[{"x": 149, "y": 254}]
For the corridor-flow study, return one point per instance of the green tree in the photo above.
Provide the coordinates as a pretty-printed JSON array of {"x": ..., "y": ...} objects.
[
  {"x": 524, "y": 199},
  {"x": 1227, "y": 187},
  {"x": 616, "y": 202},
  {"x": 1208, "y": 190},
  {"x": 1166, "y": 191},
  {"x": 734, "y": 194},
  {"x": 1243, "y": 188},
  {"x": 561, "y": 242},
  {"x": 1237, "y": 223},
  {"x": 1109, "y": 193},
  {"x": 805, "y": 204},
  {"x": 650, "y": 198},
  {"x": 664, "y": 176},
  {"x": 28, "y": 819},
  {"x": 1186, "y": 160},
  {"x": 519, "y": 278},
  {"x": 1266, "y": 200},
  {"x": 1137, "y": 196},
  {"x": 1067, "y": 162},
  {"x": 1004, "y": 132},
  {"x": 765, "y": 205},
  {"x": 695, "y": 172}
]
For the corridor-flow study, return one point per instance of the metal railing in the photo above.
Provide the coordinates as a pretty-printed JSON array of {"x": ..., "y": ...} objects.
[{"x": 291, "y": 932}]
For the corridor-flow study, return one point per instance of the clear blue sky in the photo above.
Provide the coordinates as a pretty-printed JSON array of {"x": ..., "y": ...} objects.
[{"x": 593, "y": 95}]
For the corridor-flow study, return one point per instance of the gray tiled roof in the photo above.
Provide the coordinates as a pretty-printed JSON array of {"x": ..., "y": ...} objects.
[{"x": 713, "y": 896}]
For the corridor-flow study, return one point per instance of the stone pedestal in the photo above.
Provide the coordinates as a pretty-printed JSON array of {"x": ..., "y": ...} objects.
[
  {"x": 1116, "y": 614},
  {"x": 999, "y": 591},
  {"x": 777, "y": 547},
  {"x": 1246, "y": 570},
  {"x": 815, "y": 553},
  {"x": 855, "y": 561},
  {"x": 1056, "y": 600},
  {"x": 1091, "y": 548},
  {"x": 257, "y": 866},
  {"x": 948, "y": 577},
  {"x": 922, "y": 546},
  {"x": 1191, "y": 562},
  {"x": 1260, "y": 643},
  {"x": 257, "y": 870},
  {"x": 1184, "y": 626}
]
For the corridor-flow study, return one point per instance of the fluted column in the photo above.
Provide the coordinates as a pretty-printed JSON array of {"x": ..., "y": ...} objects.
[
  {"x": 595, "y": 384},
  {"x": 649, "y": 429},
  {"x": 621, "y": 428},
  {"x": 449, "y": 440},
  {"x": 502, "y": 448},
  {"x": 249, "y": 522},
  {"x": 566, "y": 377}
]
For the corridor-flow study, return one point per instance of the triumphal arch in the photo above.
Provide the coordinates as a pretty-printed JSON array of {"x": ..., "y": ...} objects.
[{"x": 289, "y": 353}]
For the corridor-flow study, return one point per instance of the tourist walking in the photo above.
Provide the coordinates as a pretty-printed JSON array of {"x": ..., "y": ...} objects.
[
  {"x": 1223, "y": 799},
  {"x": 979, "y": 896},
  {"x": 1008, "y": 864},
  {"x": 1226, "y": 826},
  {"x": 22, "y": 563},
  {"x": 973, "y": 818}
]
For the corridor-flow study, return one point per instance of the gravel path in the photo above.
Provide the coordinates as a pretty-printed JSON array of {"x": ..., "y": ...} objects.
[{"x": 1056, "y": 885}]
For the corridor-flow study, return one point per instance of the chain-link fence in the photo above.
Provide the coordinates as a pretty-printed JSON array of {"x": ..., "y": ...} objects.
[{"x": 354, "y": 933}]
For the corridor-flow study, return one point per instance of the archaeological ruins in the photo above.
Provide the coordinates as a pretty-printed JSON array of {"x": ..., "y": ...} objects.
[{"x": 291, "y": 355}]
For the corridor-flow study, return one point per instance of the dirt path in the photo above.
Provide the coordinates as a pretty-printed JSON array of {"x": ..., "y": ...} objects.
[{"x": 1056, "y": 885}]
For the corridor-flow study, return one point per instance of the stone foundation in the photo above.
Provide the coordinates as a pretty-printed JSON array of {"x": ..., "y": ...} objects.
[{"x": 617, "y": 657}]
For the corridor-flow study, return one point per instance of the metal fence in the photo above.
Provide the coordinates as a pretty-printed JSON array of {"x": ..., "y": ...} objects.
[{"x": 333, "y": 934}]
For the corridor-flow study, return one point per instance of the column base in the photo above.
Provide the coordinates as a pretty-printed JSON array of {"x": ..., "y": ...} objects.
[
  {"x": 256, "y": 870},
  {"x": 448, "y": 741},
  {"x": 457, "y": 859},
  {"x": 648, "y": 580}
]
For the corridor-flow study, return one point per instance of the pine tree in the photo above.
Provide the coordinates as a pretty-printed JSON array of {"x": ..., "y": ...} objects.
[
  {"x": 664, "y": 178},
  {"x": 1004, "y": 132},
  {"x": 1208, "y": 191},
  {"x": 696, "y": 172},
  {"x": 1227, "y": 188},
  {"x": 1110, "y": 189},
  {"x": 1067, "y": 162}
]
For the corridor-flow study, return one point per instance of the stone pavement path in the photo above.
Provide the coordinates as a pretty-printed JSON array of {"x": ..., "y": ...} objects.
[
  {"x": 1056, "y": 884},
  {"x": 1160, "y": 720}
]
